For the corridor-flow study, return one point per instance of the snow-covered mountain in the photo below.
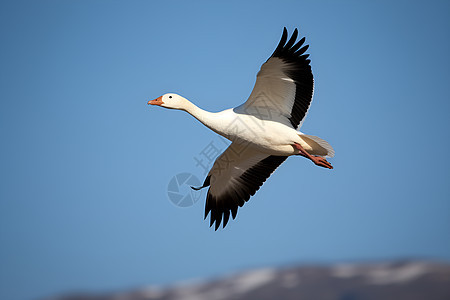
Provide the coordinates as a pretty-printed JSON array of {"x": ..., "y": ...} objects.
[{"x": 398, "y": 280}]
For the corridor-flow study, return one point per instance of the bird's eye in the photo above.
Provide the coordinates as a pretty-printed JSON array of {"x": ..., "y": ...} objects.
[{"x": 170, "y": 97}]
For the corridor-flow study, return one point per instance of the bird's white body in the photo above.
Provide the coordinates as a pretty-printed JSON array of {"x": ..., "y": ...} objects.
[{"x": 270, "y": 137}]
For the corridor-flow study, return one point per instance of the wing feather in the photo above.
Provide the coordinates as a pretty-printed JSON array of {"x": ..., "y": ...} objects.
[
  {"x": 236, "y": 176},
  {"x": 284, "y": 86}
]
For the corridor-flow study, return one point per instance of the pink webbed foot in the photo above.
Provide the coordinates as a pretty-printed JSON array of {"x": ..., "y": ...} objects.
[
  {"x": 318, "y": 160},
  {"x": 322, "y": 162}
]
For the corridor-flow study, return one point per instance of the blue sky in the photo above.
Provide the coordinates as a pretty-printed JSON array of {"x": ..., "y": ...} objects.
[{"x": 85, "y": 163}]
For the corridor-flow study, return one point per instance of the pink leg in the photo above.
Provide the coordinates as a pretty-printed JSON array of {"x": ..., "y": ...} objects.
[{"x": 318, "y": 160}]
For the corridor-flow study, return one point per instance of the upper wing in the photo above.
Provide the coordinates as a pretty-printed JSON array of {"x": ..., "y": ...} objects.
[
  {"x": 235, "y": 176},
  {"x": 284, "y": 86}
]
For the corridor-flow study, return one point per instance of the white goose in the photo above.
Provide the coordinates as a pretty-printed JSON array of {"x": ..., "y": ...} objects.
[{"x": 263, "y": 130}]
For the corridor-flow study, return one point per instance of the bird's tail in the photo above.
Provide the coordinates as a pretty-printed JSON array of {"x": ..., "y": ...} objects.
[{"x": 319, "y": 146}]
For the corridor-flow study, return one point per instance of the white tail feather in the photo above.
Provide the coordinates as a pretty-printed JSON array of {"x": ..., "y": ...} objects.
[{"x": 325, "y": 149}]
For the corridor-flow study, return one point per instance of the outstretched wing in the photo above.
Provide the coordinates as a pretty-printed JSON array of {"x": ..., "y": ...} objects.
[
  {"x": 284, "y": 86},
  {"x": 235, "y": 176}
]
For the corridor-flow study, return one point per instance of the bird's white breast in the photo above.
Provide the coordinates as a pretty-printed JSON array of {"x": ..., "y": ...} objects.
[{"x": 268, "y": 136}]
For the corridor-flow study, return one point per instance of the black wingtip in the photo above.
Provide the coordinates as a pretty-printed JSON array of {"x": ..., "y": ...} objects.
[
  {"x": 291, "y": 41},
  {"x": 297, "y": 45},
  {"x": 226, "y": 217},
  {"x": 282, "y": 42},
  {"x": 302, "y": 50},
  {"x": 289, "y": 47},
  {"x": 234, "y": 211},
  {"x": 207, "y": 210}
]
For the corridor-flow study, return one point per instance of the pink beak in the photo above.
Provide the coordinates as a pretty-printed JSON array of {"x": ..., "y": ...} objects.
[{"x": 157, "y": 101}]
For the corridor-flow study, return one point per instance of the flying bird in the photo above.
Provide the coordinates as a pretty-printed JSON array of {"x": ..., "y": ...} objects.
[{"x": 264, "y": 131}]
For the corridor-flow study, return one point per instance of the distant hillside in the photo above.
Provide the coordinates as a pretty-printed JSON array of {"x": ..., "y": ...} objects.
[{"x": 386, "y": 281}]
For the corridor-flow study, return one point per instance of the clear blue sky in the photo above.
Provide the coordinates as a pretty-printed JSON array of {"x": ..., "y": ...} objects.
[{"x": 85, "y": 163}]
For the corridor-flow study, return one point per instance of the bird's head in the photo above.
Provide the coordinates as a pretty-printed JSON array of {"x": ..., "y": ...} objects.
[{"x": 170, "y": 100}]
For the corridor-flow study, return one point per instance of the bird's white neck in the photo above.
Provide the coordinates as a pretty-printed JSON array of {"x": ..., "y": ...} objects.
[{"x": 207, "y": 118}]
